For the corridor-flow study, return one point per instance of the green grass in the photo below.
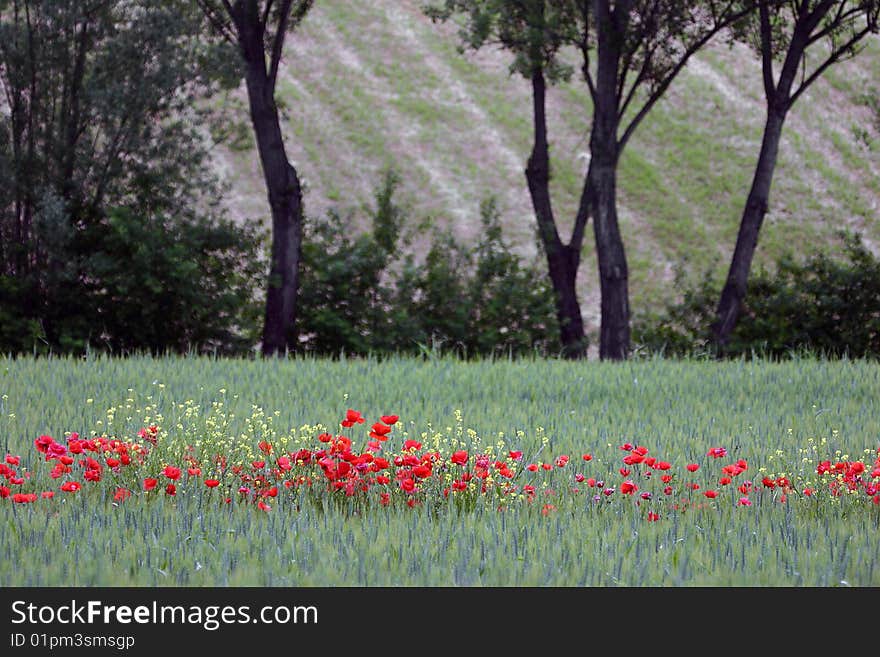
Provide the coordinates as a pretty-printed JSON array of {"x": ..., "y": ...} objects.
[{"x": 677, "y": 409}]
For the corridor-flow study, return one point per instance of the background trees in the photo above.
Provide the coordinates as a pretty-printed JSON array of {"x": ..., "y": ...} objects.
[
  {"x": 103, "y": 161},
  {"x": 112, "y": 228},
  {"x": 629, "y": 54},
  {"x": 807, "y": 37}
]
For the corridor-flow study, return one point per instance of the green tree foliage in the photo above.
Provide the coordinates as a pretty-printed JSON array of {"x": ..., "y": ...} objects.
[
  {"x": 360, "y": 294},
  {"x": 824, "y": 304},
  {"x": 103, "y": 162}
]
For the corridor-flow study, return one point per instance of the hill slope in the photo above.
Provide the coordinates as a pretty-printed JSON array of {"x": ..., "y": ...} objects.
[{"x": 372, "y": 85}]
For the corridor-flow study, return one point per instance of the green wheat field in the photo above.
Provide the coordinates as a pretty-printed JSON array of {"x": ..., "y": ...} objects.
[{"x": 780, "y": 418}]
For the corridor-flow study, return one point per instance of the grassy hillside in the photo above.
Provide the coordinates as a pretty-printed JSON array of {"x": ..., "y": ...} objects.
[{"x": 372, "y": 85}]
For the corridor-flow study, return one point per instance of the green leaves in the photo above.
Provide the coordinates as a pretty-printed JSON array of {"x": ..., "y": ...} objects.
[{"x": 359, "y": 295}]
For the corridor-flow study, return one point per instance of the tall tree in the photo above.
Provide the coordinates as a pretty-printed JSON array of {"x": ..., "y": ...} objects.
[
  {"x": 258, "y": 29},
  {"x": 630, "y": 52},
  {"x": 98, "y": 117},
  {"x": 807, "y": 37}
]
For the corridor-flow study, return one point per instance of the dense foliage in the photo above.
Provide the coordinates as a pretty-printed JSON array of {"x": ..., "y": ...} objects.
[
  {"x": 370, "y": 292},
  {"x": 822, "y": 303},
  {"x": 110, "y": 232}
]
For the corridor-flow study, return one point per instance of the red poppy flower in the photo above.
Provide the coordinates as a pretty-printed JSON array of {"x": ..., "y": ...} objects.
[
  {"x": 171, "y": 489},
  {"x": 92, "y": 475},
  {"x": 653, "y": 517},
  {"x": 411, "y": 444},
  {"x": 13, "y": 460},
  {"x": 547, "y": 509},
  {"x": 666, "y": 478},
  {"x": 628, "y": 487},
  {"x": 561, "y": 461},
  {"x": 663, "y": 465},
  {"x": 422, "y": 471},
  {"x": 515, "y": 455},
  {"x": 262, "y": 506},
  {"x": 150, "y": 483},
  {"x": 42, "y": 443},
  {"x": 717, "y": 452},
  {"x": 4, "y": 492},
  {"x": 724, "y": 481},
  {"x": 667, "y": 490},
  {"x": 352, "y": 417},
  {"x": 24, "y": 498},
  {"x": 121, "y": 494},
  {"x": 808, "y": 492},
  {"x": 579, "y": 477},
  {"x": 212, "y": 483},
  {"x": 587, "y": 457},
  {"x": 632, "y": 459},
  {"x": 408, "y": 485},
  {"x": 693, "y": 467},
  {"x": 172, "y": 472},
  {"x": 711, "y": 494},
  {"x": 265, "y": 447},
  {"x": 389, "y": 419},
  {"x": 272, "y": 492},
  {"x": 459, "y": 458},
  {"x": 532, "y": 467},
  {"x": 744, "y": 501},
  {"x": 71, "y": 486},
  {"x": 258, "y": 465},
  {"x": 47, "y": 494},
  {"x": 112, "y": 463},
  {"x": 624, "y": 472}
]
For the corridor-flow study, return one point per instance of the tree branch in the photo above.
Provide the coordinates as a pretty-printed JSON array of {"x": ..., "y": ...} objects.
[
  {"x": 220, "y": 26},
  {"x": 278, "y": 42},
  {"x": 767, "y": 51},
  {"x": 834, "y": 57}
]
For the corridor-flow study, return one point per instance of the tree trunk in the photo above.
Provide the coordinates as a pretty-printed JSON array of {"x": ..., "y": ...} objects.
[
  {"x": 285, "y": 201},
  {"x": 734, "y": 292},
  {"x": 614, "y": 333},
  {"x": 562, "y": 260}
]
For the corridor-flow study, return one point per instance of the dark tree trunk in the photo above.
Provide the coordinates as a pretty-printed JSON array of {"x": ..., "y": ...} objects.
[
  {"x": 285, "y": 202},
  {"x": 614, "y": 332},
  {"x": 562, "y": 260},
  {"x": 734, "y": 292}
]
